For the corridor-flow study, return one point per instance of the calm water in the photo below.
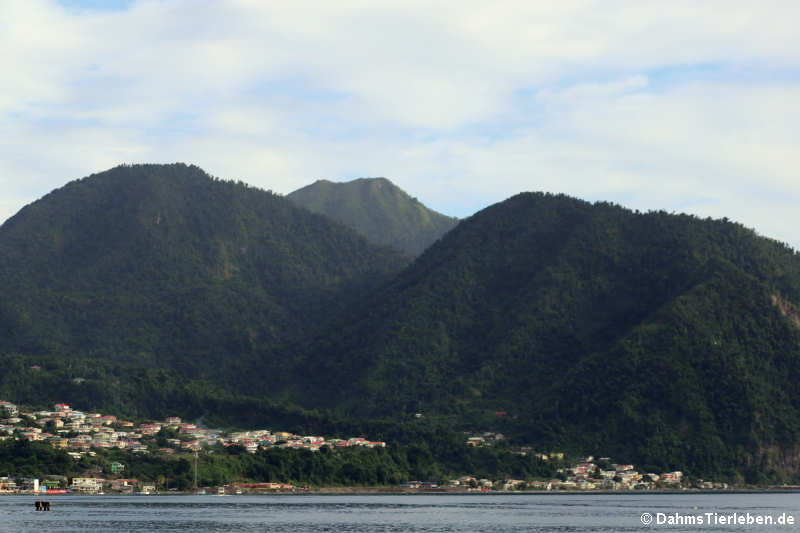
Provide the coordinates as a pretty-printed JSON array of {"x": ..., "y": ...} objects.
[{"x": 388, "y": 513}]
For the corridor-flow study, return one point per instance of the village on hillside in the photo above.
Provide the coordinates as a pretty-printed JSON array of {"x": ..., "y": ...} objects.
[
  {"x": 587, "y": 473},
  {"x": 80, "y": 433}
]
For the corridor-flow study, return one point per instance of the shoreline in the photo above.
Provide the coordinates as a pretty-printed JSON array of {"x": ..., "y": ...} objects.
[{"x": 388, "y": 491}]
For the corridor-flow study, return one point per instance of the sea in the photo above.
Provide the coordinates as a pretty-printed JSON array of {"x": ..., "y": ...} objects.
[{"x": 716, "y": 512}]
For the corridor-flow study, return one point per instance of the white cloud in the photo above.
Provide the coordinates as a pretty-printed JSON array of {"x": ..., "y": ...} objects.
[{"x": 680, "y": 106}]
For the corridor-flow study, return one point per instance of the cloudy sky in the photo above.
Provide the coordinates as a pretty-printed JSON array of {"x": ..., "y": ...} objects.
[{"x": 685, "y": 106}]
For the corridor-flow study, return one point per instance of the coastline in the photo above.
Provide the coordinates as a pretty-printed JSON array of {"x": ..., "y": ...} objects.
[{"x": 390, "y": 491}]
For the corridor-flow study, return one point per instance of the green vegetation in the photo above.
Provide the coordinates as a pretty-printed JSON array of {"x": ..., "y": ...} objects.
[
  {"x": 379, "y": 210},
  {"x": 222, "y": 466},
  {"x": 23, "y": 458},
  {"x": 164, "y": 266},
  {"x": 649, "y": 336},
  {"x": 668, "y": 341}
]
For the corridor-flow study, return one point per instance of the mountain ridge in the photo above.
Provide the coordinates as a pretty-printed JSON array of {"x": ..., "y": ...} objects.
[
  {"x": 161, "y": 252},
  {"x": 668, "y": 339},
  {"x": 559, "y": 312}
]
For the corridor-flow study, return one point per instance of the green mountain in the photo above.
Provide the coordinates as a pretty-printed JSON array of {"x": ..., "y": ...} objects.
[
  {"x": 165, "y": 266},
  {"x": 379, "y": 210},
  {"x": 670, "y": 340},
  {"x": 665, "y": 340}
]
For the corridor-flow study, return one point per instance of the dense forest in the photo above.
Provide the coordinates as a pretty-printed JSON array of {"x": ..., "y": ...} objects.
[
  {"x": 379, "y": 210},
  {"x": 594, "y": 328},
  {"x": 164, "y": 266},
  {"x": 151, "y": 290}
]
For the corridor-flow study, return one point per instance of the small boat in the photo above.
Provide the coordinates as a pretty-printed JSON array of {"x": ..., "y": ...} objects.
[{"x": 220, "y": 491}]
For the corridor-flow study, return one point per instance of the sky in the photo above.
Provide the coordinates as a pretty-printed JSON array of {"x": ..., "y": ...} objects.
[{"x": 681, "y": 106}]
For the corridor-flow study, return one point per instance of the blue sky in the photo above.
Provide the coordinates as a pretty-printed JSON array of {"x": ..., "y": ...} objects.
[{"x": 688, "y": 107}]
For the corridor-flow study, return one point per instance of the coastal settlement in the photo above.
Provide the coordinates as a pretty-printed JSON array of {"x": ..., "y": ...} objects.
[{"x": 80, "y": 433}]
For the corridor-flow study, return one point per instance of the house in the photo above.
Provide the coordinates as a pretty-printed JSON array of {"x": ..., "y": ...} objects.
[
  {"x": 29, "y": 485},
  {"x": 672, "y": 477},
  {"x": 540, "y": 485},
  {"x": 124, "y": 485},
  {"x": 9, "y": 408},
  {"x": 149, "y": 429},
  {"x": 88, "y": 485},
  {"x": 608, "y": 484}
]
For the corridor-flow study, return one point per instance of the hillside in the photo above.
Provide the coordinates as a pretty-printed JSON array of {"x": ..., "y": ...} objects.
[
  {"x": 165, "y": 266},
  {"x": 667, "y": 339},
  {"x": 379, "y": 210}
]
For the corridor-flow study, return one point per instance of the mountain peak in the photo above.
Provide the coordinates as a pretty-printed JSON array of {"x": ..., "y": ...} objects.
[
  {"x": 378, "y": 209},
  {"x": 142, "y": 258}
]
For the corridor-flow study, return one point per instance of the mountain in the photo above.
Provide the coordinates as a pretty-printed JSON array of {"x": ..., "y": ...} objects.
[
  {"x": 668, "y": 341},
  {"x": 379, "y": 210},
  {"x": 665, "y": 339},
  {"x": 165, "y": 266}
]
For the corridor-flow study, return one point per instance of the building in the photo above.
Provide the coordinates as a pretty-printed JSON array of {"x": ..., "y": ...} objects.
[{"x": 89, "y": 485}]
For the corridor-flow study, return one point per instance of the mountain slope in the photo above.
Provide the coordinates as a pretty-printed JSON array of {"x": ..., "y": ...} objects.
[
  {"x": 166, "y": 266},
  {"x": 594, "y": 328},
  {"x": 379, "y": 210}
]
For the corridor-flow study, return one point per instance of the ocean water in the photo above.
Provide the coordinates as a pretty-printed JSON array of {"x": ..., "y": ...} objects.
[{"x": 401, "y": 513}]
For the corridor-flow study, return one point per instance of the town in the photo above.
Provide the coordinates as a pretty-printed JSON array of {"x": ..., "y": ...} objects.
[
  {"x": 81, "y": 434},
  {"x": 587, "y": 473}
]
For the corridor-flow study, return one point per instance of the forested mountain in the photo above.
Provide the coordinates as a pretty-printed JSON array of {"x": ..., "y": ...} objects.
[
  {"x": 162, "y": 265},
  {"x": 667, "y": 338},
  {"x": 379, "y": 210}
]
